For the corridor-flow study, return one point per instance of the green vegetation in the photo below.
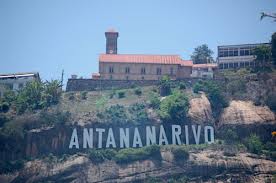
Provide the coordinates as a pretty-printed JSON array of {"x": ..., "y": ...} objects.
[
  {"x": 165, "y": 86},
  {"x": 35, "y": 95},
  {"x": 11, "y": 166},
  {"x": 121, "y": 94},
  {"x": 180, "y": 153},
  {"x": 182, "y": 86},
  {"x": 154, "y": 100},
  {"x": 115, "y": 114},
  {"x": 138, "y": 91},
  {"x": 254, "y": 144},
  {"x": 273, "y": 48},
  {"x": 174, "y": 108},
  {"x": 84, "y": 95},
  {"x": 132, "y": 154},
  {"x": 271, "y": 101},
  {"x": 138, "y": 113},
  {"x": 214, "y": 93},
  {"x": 230, "y": 136},
  {"x": 202, "y": 55},
  {"x": 263, "y": 57},
  {"x": 98, "y": 156}
]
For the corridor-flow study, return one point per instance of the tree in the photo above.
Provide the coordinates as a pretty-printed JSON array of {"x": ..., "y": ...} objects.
[
  {"x": 271, "y": 15},
  {"x": 273, "y": 48},
  {"x": 263, "y": 56},
  {"x": 202, "y": 54},
  {"x": 174, "y": 108}
]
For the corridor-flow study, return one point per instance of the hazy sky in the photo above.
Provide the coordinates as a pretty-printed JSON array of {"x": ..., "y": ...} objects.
[{"x": 50, "y": 35}]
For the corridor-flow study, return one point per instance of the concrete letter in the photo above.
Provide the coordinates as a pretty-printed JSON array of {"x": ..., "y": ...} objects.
[
  {"x": 196, "y": 133},
  {"x": 87, "y": 138},
  {"x": 162, "y": 136},
  {"x": 137, "y": 138},
  {"x": 124, "y": 138},
  {"x": 100, "y": 137},
  {"x": 176, "y": 134},
  {"x": 74, "y": 139},
  {"x": 110, "y": 139},
  {"x": 210, "y": 130},
  {"x": 150, "y": 135}
]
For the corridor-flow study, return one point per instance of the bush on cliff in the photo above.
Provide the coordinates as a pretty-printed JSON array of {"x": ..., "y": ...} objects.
[
  {"x": 214, "y": 93},
  {"x": 180, "y": 153},
  {"x": 133, "y": 154},
  {"x": 174, "y": 108},
  {"x": 11, "y": 166},
  {"x": 138, "y": 113},
  {"x": 115, "y": 114},
  {"x": 165, "y": 86},
  {"x": 98, "y": 156},
  {"x": 154, "y": 100},
  {"x": 254, "y": 144}
]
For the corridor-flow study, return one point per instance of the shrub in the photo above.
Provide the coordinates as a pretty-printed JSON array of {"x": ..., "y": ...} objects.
[
  {"x": 11, "y": 166},
  {"x": 182, "y": 86},
  {"x": 138, "y": 113},
  {"x": 54, "y": 118},
  {"x": 138, "y": 91},
  {"x": 3, "y": 119},
  {"x": 71, "y": 96},
  {"x": 84, "y": 95},
  {"x": 154, "y": 100},
  {"x": 230, "y": 136},
  {"x": 236, "y": 86},
  {"x": 254, "y": 144},
  {"x": 180, "y": 153},
  {"x": 51, "y": 92},
  {"x": 101, "y": 103},
  {"x": 271, "y": 101},
  {"x": 99, "y": 155},
  {"x": 4, "y": 107},
  {"x": 214, "y": 94},
  {"x": 115, "y": 114},
  {"x": 174, "y": 108},
  {"x": 165, "y": 88},
  {"x": 121, "y": 94},
  {"x": 131, "y": 154}
]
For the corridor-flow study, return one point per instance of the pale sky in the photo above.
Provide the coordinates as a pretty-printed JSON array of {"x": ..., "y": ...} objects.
[{"x": 50, "y": 35}]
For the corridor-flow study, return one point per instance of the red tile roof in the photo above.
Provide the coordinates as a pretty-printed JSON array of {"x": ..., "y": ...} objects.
[{"x": 138, "y": 58}]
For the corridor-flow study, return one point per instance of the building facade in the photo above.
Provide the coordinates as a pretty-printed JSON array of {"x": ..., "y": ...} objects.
[
  {"x": 113, "y": 66},
  {"x": 16, "y": 81},
  {"x": 204, "y": 70},
  {"x": 237, "y": 56}
]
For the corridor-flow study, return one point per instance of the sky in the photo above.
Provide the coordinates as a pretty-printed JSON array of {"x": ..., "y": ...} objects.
[{"x": 47, "y": 36}]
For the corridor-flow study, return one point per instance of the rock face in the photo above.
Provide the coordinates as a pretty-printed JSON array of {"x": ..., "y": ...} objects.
[
  {"x": 245, "y": 112},
  {"x": 200, "y": 110},
  {"x": 208, "y": 163}
]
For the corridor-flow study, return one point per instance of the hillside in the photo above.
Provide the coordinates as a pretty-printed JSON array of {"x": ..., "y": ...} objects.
[{"x": 240, "y": 105}]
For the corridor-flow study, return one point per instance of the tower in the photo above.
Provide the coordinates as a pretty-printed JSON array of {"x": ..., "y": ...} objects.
[{"x": 111, "y": 41}]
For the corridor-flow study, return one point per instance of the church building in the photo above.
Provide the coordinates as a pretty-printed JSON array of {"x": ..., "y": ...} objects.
[{"x": 114, "y": 66}]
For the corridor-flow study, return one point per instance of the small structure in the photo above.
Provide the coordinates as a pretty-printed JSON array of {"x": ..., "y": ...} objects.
[
  {"x": 237, "y": 56},
  {"x": 204, "y": 70},
  {"x": 16, "y": 81}
]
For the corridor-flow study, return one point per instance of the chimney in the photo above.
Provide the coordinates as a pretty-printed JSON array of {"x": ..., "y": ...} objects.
[{"x": 111, "y": 41}]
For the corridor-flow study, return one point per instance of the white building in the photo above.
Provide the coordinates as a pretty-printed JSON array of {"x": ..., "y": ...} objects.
[
  {"x": 237, "y": 56},
  {"x": 203, "y": 70},
  {"x": 16, "y": 81}
]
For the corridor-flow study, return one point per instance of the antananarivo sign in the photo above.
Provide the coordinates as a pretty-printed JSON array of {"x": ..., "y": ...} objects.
[{"x": 127, "y": 137}]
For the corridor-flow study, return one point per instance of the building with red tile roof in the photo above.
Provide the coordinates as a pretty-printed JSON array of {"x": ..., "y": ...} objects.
[{"x": 139, "y": 66}]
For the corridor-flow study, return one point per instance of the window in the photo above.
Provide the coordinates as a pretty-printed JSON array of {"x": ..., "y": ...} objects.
[
  {"x": 171, "y": 71},
  {"x": 143, "y": 70},
  {"x": 231, "y": 65},
  {"x": 110, "y": 69},
  {"x": 110, "y": 77},
  {"x": 143, "y": 78},
  {"x": 127, "y": 77},
  {"x": 236, "y": 65},
  {"x": 246, "y": 64},
  {"x": 225, "y": 66},
  {"x": 236, "y": 52},
  {"x": 242, "y": 64},
  {"x": 241, "y": 52},
  {"x": 158, "y": 71},
  {"x": 220, "y": 66},
  {"x": 127, "y": 70}
]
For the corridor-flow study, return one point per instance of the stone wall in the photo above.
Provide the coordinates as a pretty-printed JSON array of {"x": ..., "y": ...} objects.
[{"x": 92, "y": 84}]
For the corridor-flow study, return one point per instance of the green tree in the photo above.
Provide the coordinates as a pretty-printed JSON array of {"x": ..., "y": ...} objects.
[
  {"x": 174, "y": 108},
  {"x": 202, "y": 54},
  {"x": 263, "y": 56},
  {"x": 52, "y": 92},
  {"x": 165, "y": 88},
  {"x": 273, "y": 48}
]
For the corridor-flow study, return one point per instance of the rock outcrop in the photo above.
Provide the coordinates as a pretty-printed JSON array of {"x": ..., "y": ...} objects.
[
  {"x": 200, "y": 111},
  {"x": 243, "y": 167},
  {"x": 245, "y": 112}
]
